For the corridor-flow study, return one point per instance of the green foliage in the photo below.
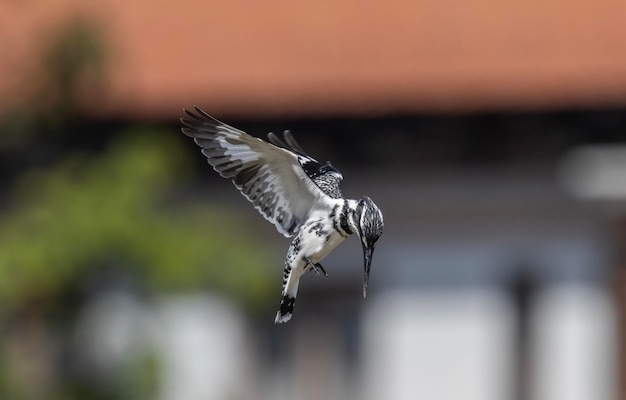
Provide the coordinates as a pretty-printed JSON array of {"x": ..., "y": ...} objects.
[
  {"x": 72, "y": 72},
  {"x": 90, "y": 212},
  {"x": 114, "y": 208},
  {"x": 76, "y": 51}
]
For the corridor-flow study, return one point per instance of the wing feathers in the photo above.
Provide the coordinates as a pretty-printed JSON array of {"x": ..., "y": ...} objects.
[
  {"x": 290, "y": 144},
  {"x": 268, "y": 175},
  {"x": 291, "y": 141},
  {"x": 276, "y": 141}
]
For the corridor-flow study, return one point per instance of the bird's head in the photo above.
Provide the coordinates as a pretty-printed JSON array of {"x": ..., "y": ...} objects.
[{"x": 369, "y": 226}]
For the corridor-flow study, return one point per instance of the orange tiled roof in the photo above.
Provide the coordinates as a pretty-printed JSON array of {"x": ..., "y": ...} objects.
[{"x": 341, "y": 57}]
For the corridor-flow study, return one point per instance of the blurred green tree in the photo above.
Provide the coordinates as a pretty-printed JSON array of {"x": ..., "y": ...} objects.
[
  {"x": 117, "y": 208},
  {"x": 87, "y": 210},
  {"x": 85, "y": 213},
  {"x": 72, "y": 72}
]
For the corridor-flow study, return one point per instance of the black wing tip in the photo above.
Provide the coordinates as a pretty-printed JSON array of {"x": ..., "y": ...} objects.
[
  {"x": 199, "y": 113},
  {"x": 196, "y": 120},
  {"x": 276, "y": 141},
  {"x": 286, "y": 142},
  {"x": 190, "y": 132},
  {"x": 291, "y": 141}
]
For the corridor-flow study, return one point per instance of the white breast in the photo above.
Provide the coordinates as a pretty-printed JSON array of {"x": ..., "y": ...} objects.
[{"x": 316, "y": 246}]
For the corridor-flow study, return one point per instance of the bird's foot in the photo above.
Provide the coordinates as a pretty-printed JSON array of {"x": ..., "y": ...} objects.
[{"x": 316, "y": 267}]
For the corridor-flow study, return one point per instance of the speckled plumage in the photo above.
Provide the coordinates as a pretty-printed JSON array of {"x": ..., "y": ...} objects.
[{"x": 292, "y": 190}]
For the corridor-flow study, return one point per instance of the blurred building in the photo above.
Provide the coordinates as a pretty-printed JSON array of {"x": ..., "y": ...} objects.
[
  {"x": 279, "y": 58},
  {"x": 495, "y": 278}
]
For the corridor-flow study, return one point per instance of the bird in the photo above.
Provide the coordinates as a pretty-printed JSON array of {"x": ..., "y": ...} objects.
[{"x": 299, "y": 195}]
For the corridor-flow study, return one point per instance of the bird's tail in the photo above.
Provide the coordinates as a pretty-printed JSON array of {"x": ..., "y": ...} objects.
[
  {"x": 291, "y": 279},
  {"x": 285, "y": 310}
]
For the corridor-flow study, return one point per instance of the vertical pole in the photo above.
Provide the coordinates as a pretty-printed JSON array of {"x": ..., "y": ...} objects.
[
  {"x": 620, "y": 288},
  {"x": 523, "y": 289}
]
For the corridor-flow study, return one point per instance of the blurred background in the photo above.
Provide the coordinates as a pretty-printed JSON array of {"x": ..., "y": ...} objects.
[{"x": 491, "y": 134}]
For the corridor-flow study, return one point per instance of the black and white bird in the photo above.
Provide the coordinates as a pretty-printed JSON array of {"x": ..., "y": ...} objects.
[{"x": 292, "y": 190}]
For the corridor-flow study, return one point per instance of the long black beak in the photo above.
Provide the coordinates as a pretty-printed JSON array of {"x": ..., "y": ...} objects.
[{"x": 367, "y": 254}]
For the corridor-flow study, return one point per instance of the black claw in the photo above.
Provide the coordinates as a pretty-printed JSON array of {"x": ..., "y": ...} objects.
[{"x": 316, "y": 267}]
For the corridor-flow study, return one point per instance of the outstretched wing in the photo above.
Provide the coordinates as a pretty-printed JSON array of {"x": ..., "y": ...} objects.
[
  {"x": 271, "y": 177},
  {"x": 325, "y": 176}
]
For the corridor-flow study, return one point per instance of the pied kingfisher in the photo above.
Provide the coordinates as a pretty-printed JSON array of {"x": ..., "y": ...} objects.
[{"x": 300, "y": 196}]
